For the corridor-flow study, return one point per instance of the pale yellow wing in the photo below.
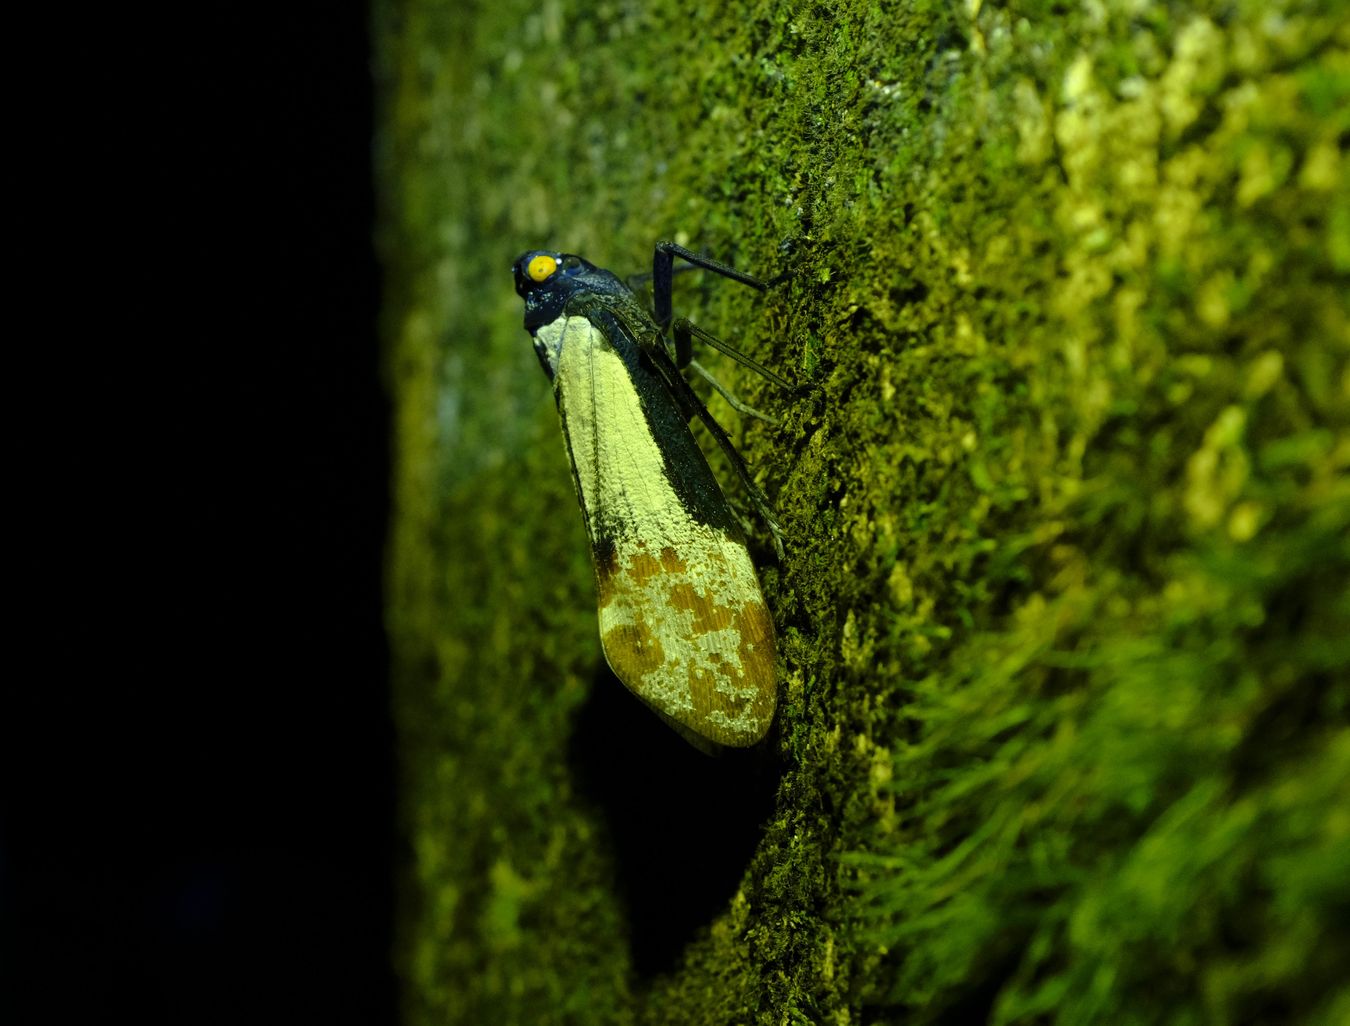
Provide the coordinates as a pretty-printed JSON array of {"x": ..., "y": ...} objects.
[{"x": 682, "y": 619}]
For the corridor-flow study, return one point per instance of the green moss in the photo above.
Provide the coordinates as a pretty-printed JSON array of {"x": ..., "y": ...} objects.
[{"x": 1064, "y": 614}]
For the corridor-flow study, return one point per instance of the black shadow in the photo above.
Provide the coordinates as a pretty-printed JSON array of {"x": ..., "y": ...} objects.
[{"x": 683, "y": 824}]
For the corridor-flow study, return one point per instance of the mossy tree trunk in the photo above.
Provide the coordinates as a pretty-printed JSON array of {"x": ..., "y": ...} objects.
[{"x": 1064, "y": 623}]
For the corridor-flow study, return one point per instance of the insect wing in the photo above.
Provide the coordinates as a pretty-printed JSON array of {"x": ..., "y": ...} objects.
[{"x": 682, "y": 620}]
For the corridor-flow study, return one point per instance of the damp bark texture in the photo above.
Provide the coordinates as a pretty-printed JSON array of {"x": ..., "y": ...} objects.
[{"x": 1063, "y": 622}]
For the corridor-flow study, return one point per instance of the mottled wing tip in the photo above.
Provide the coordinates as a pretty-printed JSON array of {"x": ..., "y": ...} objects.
[{"x": 693, "y": 639}]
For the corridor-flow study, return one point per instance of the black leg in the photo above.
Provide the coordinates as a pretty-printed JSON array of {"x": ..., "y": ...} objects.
[
  {"x": 693, "y": 406},
  {"x": 684, "y": 330},
  {"x": 663, "y": 273}
]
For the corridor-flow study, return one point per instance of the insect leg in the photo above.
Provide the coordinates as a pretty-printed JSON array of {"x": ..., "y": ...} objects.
[
  {"x": 691, "y": 403},
  {"x": 744, "y": 409},
  {"x": 663, "y": 272},
  {"x": 638, "y": 279},
  {"x": 684, "y": 330}
]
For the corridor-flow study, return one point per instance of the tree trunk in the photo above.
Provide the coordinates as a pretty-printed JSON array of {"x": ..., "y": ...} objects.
[{"x": 1063, "y": 621}]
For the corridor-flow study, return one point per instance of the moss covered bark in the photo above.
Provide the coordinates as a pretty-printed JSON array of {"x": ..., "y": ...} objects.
[{"x": 1064, "y": 619}]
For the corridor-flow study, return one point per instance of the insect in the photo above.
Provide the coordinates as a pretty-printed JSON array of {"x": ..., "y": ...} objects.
[{"x": 682, "y": 620}]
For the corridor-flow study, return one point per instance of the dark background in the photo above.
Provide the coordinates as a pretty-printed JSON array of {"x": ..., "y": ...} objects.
[{"x": 198, "y": 801}]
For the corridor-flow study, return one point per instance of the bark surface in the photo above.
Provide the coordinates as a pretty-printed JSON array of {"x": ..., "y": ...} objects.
[{"x": 1064, "y": 626}]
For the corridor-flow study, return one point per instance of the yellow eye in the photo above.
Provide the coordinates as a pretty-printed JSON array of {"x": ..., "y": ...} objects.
[{"x": 541, "y": 267}]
